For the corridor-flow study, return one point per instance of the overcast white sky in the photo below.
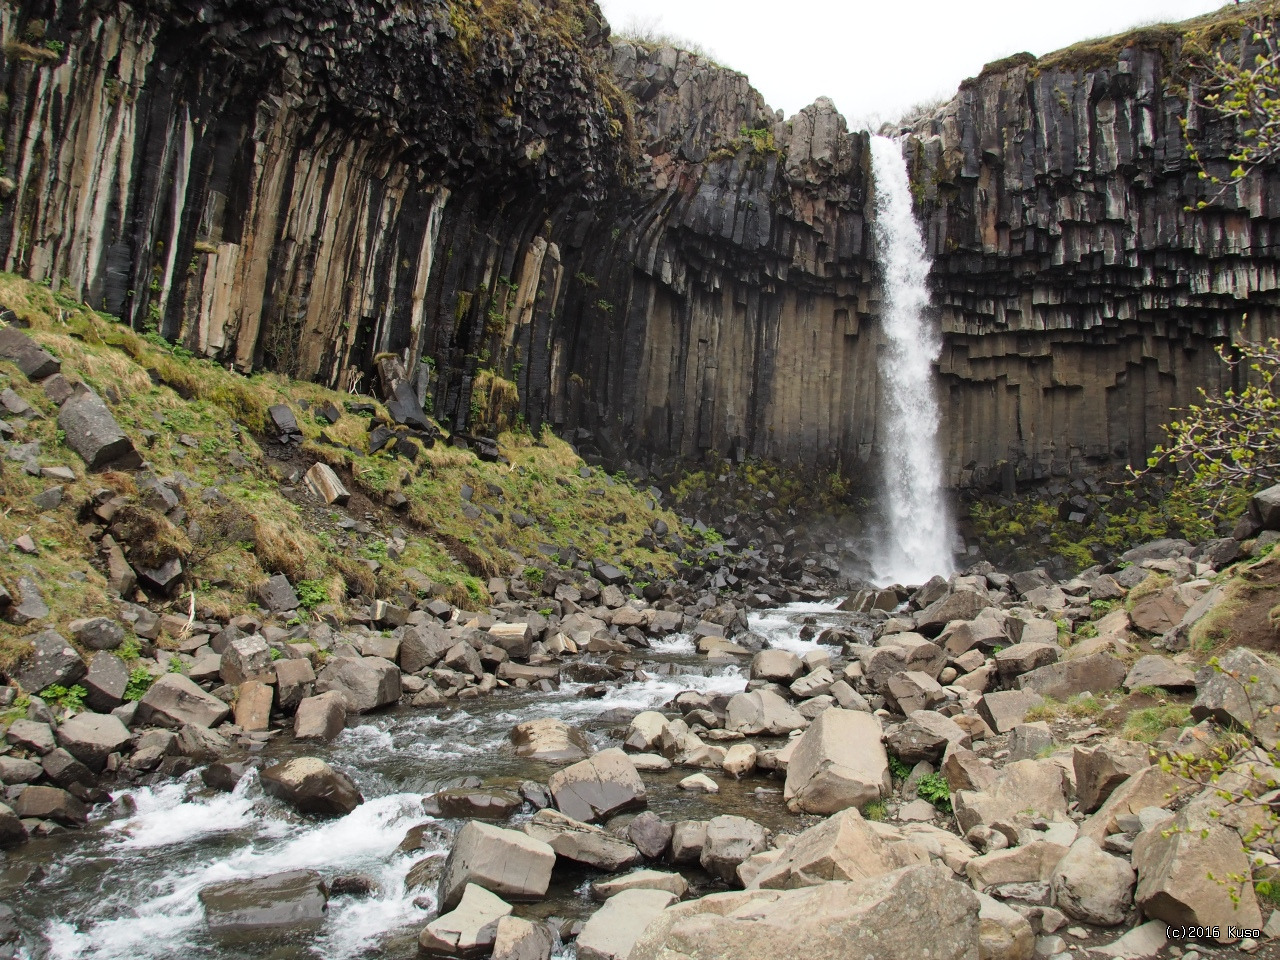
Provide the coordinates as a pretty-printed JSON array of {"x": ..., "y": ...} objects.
[{"x": 876, "y": 59}]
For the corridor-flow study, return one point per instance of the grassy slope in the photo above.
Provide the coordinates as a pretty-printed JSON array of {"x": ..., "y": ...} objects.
[{"x": 265, "y": 529}]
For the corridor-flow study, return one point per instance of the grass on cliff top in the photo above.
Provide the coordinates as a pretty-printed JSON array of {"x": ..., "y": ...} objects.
[
  {"x": 190, "y": 417},
  {"x": 1197, "y": 33}
]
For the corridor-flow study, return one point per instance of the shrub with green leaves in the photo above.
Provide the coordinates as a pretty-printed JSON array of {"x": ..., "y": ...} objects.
[
  {"x": 140, "y": 680},
  {"x": 934, "y": 788},
  {"x": 68, "y": 698},
  {"x": 312, "y": 593}
]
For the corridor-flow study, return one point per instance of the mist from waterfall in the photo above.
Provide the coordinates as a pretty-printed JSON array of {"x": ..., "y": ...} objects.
[{"x": 916, "y": 543}]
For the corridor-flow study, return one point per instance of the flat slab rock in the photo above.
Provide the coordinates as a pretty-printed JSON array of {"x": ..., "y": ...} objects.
[{"x": 283, "y": 902}]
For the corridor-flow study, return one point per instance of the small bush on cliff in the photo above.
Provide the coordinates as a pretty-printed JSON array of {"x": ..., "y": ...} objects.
[{"x": 1227, "y": 444}]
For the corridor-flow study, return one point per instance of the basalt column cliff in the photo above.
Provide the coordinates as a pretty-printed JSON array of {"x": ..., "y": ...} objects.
[{"x": 629, "y": 235}]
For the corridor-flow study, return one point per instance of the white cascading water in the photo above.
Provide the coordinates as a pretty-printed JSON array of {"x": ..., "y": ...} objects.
[{"x": 917, "y": 541}]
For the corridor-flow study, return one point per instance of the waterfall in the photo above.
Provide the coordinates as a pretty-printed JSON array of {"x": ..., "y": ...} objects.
[{"x": 917, "y": 541}]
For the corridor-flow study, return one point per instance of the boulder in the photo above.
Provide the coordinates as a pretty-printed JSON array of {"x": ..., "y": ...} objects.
[
  {"x": 611, "y": 933},
  {"x": 31, "y": 735},
  {"x": 105, "y": 683},
  {"x": 311, "y": 786},
  {"x": 295, "y": 679},
  {"x": 517, "y": 939},
  {"x": 903, "y": 915},
  {"x": 276, "y": 594},
  {"x": 1241, "y": 692},
  {"x": 51, "y": 803},
  {"x": 687, "y": 840},
  {"x": 12, "y": 832},
  {"x": 762, "y": 712},
  {"x": 52, "y": 660},
  {"x": 97, "y": 633},
  {"x": 842, "y": 847},
  {"x": 1101, "y": 768},
  {"x": 367, "y": 683},
  {"x": 959, "y": 605},
  {"x": 26, "y": 354},
  {"x": 913, "y": 690},
  {"x": 422, "y": 646},
  {"x": 551, "y": 740},
  {"x": 469, "y": 929},
  {"x": 321, "y": 717},
  {"x": 253, "y": 706},
  {"x": 1029, "y": 863},
  {"x": 93, "y": 433},
  {"x": 1005, "y": 709},
  {"x": 650, "y": 834},
  {"x": 926, "y": 735},
  {"x": 597, "y": 788},
  {"x": 776, "y": 666},
  {"x": 839, "y": 762},
  {"x": 174, "y": 701},
  {"x": 515, "y": 638},
  {"x": 581, "y": 842},
  {"x": 326, "y": 485},
  {"x": 899, "y": 653},
  {"x": 1264, "y": 507},
  {"x": 1092, "y": 886},
  {"x": 507, "y": 862},
  {"x": 1003, "y": 933},
  {"x": 478, "y": 803},
  {"x": 729, "y": 841},
  {"x": 739, "y": 760},
  {"x": 1149, "y": 787},
  {"x": 672, "y": 883},
  {"x": 645, "y": 731},
  {"x": 92, "y": 737},
  {"x": 1014, "y": 661},
  {"x": 245, "y": 659},
  {"x": 1183, "y": 872},
  {"x": 1158, "y": 671},
  {"x": 1095, "y": 673},
  {"x": 281, "y": 903},
  {"x": 1025, "y": 790}
]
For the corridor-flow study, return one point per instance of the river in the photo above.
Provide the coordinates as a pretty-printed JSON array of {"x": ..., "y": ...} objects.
[{"x": 126, "y": 886}]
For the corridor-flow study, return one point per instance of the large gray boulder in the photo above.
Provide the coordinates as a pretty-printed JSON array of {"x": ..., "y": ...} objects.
[
  {"x": 33, "y": 360},
  {"x": 1024, "y": 791},
  {"x": 960, "y": 605},
  {"x": 106, "y": 682},
  {"x": 1183, "y": 877},
  {"x": 904, "y": 915},
  {"x": 281, "y": 903},
  {"x": 277, "y": 594},
  {"x": 925, "y": 736},
  {"x": 511, "y": 864},
  {"x": 839, "y": 762},
  {"x": 842, "y": 847},
  {"x": 1265, "y": 508},
  {"x": 1095, "y": 673},
  {"x": 1242, "y": 692},
  {"x": 367, "y": 683},
  {"x": 518, "y": 939},
  {"x": 551, "y": 740},
  {"x": 174, "y": 700},
  {"x": 321, "y": 717},
  {"x": 245, "y": 659},
  {"x": 582, "y": 842},
  {"x": 762, "y": 712},
  {"x": 92, "y": 737},
  {"x": 729, "y": 841},
  {"x": 597, "y": 788},
  {"x": 469, "y": 930},
  {"x": 52, "y": 660},
  {"x": 311, "y": 786},
  {"x": 423, "y": 646},
  {"x": 94, "y": 434},
  {"x": 1102, "y": 767},
  {"x": 1092, "y": 886},
  {"x": 776, "y": 666},
  {"x": 611, "y": 933}
]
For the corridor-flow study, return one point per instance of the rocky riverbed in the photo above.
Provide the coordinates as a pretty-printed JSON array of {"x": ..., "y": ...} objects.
[{"x": 990, "y": 729}]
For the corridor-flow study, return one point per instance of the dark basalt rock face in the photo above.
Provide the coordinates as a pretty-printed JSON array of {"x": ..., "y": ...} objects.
[{"x": 307, "y": 186}]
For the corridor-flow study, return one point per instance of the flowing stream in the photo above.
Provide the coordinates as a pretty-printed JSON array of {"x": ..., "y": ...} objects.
[
  {"x": 917, "y": 543},
  {"x": 126, "y": 887}
]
